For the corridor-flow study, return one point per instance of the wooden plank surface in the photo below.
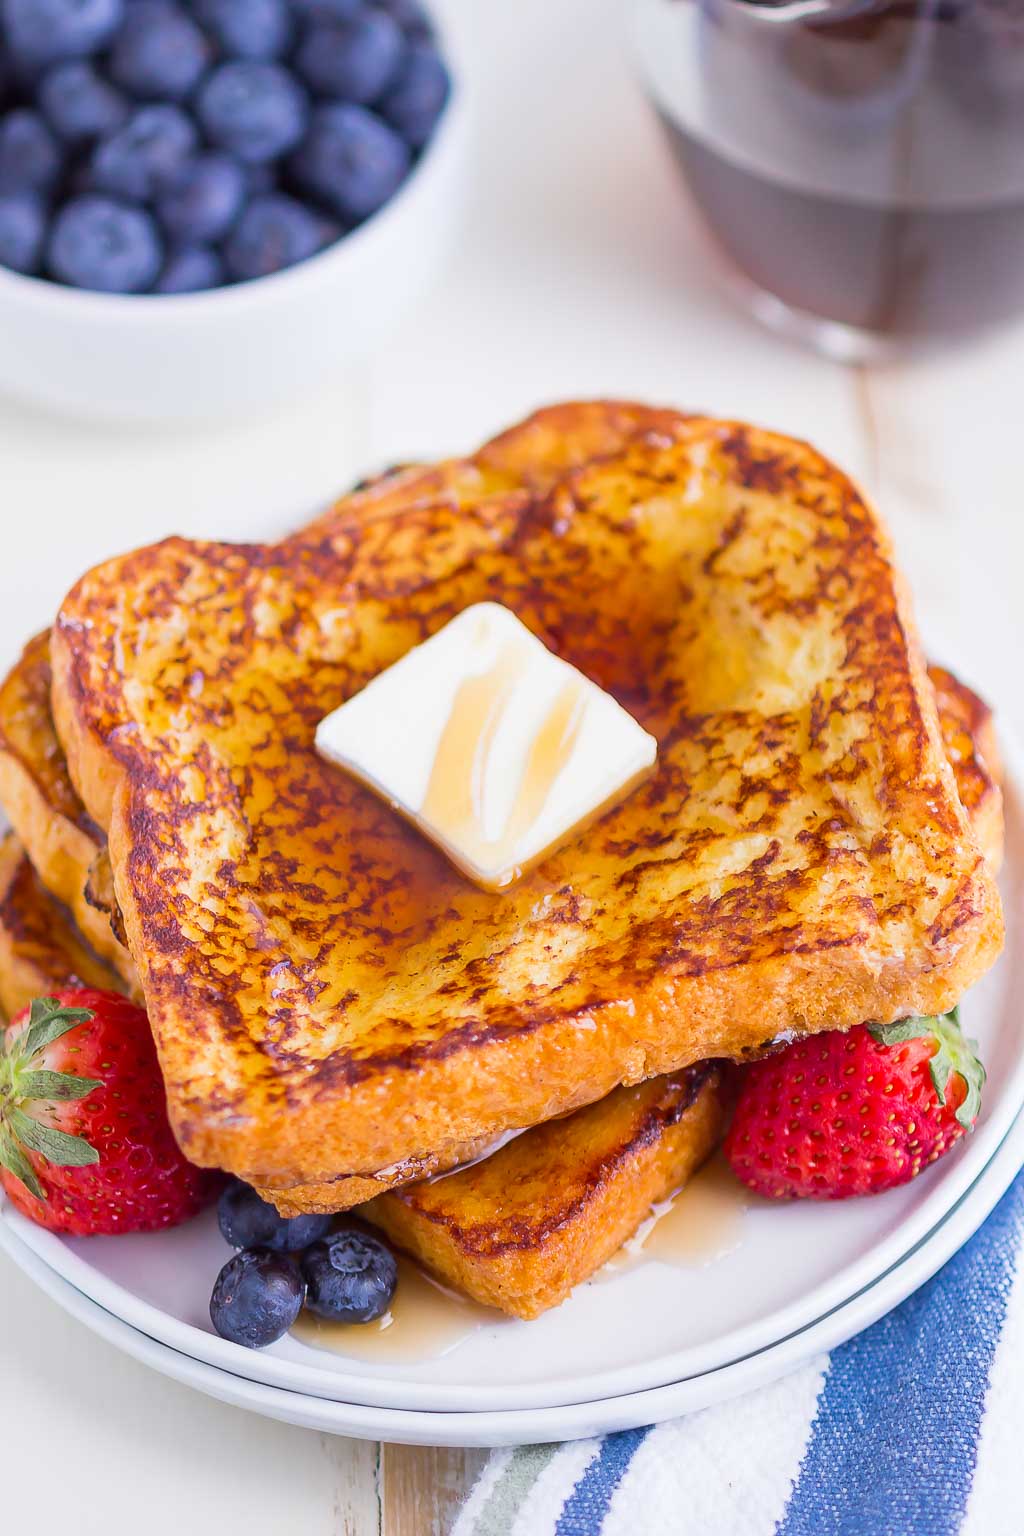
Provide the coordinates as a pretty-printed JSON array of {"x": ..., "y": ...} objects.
[
  {"x": 354, "y": 1472},
  {"x": 421, "y": 1488}
]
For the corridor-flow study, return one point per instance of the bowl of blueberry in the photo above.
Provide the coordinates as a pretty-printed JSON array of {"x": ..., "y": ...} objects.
[{"x": 212, "y": 206}]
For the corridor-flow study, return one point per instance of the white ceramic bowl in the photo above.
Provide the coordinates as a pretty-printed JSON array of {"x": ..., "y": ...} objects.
[{"x": 242, "y": 349}]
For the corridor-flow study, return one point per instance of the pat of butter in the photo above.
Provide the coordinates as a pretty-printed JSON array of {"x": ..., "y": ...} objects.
[{"x": 495, "y": 748}]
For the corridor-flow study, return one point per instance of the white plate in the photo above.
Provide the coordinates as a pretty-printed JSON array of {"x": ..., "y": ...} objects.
[
  {"x": 648, "y": 1327},
  {"x": 574, "y": 1421}
]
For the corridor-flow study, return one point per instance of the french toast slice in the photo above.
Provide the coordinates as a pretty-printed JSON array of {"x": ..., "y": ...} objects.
[
  {"x": 969, "y": 740},
  {"x": 521, "y": 1228},
  {"x": 40, "y": 949},
  {"x": 60, "y": 838},
  {"x": 326, "y": 992},
  {"x": 582, "y": 1184}
]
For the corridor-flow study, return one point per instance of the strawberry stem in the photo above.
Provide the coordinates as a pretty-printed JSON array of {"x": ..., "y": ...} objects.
[
  {"x": 953, "y": 1053},
  {"x": 23, "y": 1082}
]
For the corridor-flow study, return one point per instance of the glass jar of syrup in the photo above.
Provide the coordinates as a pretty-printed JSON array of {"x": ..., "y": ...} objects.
[{"x": 859, "y": 163}]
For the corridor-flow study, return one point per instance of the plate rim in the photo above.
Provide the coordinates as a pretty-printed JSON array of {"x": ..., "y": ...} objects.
[
  {"x": 495, "y": 1428},
  {"x": 385, "y": 1390}
]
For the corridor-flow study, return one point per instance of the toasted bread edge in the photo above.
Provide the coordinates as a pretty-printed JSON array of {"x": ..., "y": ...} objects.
[{"x": 567, "y": 1239}]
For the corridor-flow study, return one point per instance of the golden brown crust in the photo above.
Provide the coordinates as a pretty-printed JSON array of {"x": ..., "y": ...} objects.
[
  {"x": 522, "y": 1228},
  {"x": 100, "y": 894},
  {"x": 325, "y": 991},
  {"x": 40, "y": 951},
  {"x": 41, "y": 804},
  {"x": 328, "y": 1196},
  {"x": 969, "y": 739}
]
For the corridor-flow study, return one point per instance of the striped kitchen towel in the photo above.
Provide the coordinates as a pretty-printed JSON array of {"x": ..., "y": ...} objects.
[{"x": 914, "y": 1428}]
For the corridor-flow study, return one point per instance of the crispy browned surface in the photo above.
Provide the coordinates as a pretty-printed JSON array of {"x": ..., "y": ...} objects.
[
  {"x": 326, "y": 992},
  {"x": 40, "y": 952},
  {"x": 100, "y": 894},
  {"x": 969, "y": 738},
  {"x": 341, "y": 1193},
  {"x": 40, "y": 801},
  {"x": 520, "y": 1229}
]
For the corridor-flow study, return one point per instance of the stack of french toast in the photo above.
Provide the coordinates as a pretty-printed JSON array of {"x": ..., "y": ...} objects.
[{"x": 503, "y": 1081}]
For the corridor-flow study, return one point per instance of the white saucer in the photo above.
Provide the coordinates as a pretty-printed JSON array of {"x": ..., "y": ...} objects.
[{"x": 572, "y": 1421}]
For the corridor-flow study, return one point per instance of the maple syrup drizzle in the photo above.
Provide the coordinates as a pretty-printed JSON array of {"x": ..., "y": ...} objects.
[{"x": 454, "y": 802}]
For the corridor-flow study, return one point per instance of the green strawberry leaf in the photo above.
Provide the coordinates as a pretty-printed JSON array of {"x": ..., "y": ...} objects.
[
  {"x": 954, "y": 1053},
  {"x": 21, "y": 1083},
  {"x": 48, "y": 1021},
  {"x": 13, "y": 1159},
  {"x": 56, "y": 1146},
  {"x": 55, "y": 1085}
]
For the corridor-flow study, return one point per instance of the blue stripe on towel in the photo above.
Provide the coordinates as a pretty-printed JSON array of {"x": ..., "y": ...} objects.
[
  {"x": 894, "y": 1445},
  {"x": 587, "y": 1505}
]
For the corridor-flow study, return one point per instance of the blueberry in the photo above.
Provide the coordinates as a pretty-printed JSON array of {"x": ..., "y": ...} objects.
[
  {"x": 246, "y": 1221},
  {"x": 350, "y": 1277},
  {"x": 30, "y": 158},
  {"x": 79, "y": 104},
  {"x": 203, "y": 199},
  {"x": 328, "y": 10},
  {"x": 351, "y": 160},
  {"x": 255, "y": 111},
  {"x": 275, "y": 232},
  {"x": 411, "y": 17},
  {"x": 98, "y": 243},
  {"x": 40, "y": 32},
  {"x": 145, "y": 154},
  {"x": 354, "y": 60},
  {"x": 190, "y": 270},
  {"x": 261, "y": 178},
  {"x": 159, "y": 54},
  {"x": 417, "y": 98},
  {"x": 22, "y": 231},
  {"x": 256, "y": 1298},
  {"x": 247, "y": 29}
]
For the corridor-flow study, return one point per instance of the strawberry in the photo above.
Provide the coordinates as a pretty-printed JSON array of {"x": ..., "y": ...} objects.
[
  {"x": 852, "y": 1114},
  {"x": 85, "y": 1143}
]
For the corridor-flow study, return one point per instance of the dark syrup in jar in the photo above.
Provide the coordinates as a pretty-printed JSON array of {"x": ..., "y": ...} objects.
[{"x": 870, "y": 170}]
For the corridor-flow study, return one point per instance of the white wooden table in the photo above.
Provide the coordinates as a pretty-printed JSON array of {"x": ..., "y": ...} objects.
[{"x": 576, "y": 274}]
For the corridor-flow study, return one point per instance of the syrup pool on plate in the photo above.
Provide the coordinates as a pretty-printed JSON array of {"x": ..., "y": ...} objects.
[
  {"x": 700, "y": 1224},
  {"x": 425, "y": 1321}
]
